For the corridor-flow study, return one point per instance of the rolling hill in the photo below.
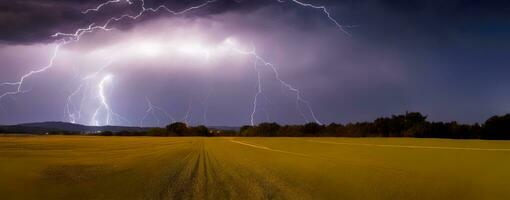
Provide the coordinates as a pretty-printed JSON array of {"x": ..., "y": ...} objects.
[{"x": 46, "y": 127}]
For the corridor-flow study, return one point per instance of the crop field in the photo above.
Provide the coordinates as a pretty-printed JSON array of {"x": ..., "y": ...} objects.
[{"x": 86, "y": 167}]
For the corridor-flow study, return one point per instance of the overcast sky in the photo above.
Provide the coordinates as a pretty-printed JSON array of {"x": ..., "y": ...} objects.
[{"x": 447, "y": 59}]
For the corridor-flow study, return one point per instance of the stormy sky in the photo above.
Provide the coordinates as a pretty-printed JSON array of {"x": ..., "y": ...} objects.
[{"x": 447, "y": 59}]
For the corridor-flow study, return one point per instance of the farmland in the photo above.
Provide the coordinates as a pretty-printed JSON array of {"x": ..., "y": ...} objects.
[{"x": 88, "y": 167}]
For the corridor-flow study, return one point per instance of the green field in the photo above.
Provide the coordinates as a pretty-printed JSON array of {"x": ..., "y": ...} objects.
[{"x": 82, "y": 167}]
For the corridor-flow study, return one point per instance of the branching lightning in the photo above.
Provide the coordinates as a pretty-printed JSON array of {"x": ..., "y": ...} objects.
[
  {"x": 255, "y": 99},
  {"x": 21, "y": 81},
  {"x": 323, "y": 9},
  {"x": 106, "y": 26},
  {"x": 299, "y": 98},
  {"x": 74, "y": 113},
  {"x": 97, "y": 8},
  {"x": 153, "y": 110},
  {"x": 105, "y": 105},
  {"x": 186, "y": 117}
]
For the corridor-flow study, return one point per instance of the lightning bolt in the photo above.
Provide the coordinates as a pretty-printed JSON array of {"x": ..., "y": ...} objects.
[
  {"x": 299, "y": 97},
  {"x": 66, "y": 38},
  {"x": 104, "y": 105},
  {"x": 152, "y": 110},
  {"x": 62, "y": 39},
  {"x": 105, "y": 27},
  {"x": 19, "y": 84},
  {"x": 259, "y": 92},
  {"x": 186, "y": 117},
  {"x": 74, "y": 112},
  {"x": 324, "y": 10},
  {"x": 97, "y": 8}
]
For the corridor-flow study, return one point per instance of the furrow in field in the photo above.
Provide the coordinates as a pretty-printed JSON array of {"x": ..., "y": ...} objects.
[{"x": 215, "y": 169}]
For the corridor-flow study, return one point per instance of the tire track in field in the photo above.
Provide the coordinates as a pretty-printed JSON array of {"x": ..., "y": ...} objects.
[
  {"x": 322, "y": 157},
  {"x": 260, "y": 181},
  {"x": 408, "y": 146},
  {"x": 274, "y": 150}
]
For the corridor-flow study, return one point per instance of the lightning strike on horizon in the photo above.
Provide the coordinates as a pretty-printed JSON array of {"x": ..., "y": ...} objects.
[
  {"x": 73, "y": 112},
  {"x": 151, "y": 110},
  {"x": 63, "y": 39},
  {"x": 299, "y": 98},
  {"x": 74, "y": 37},
  {"x": 188, "y": 114},
  {"x": 104, "y": 104},
  {"x": 259, "y": 92}
]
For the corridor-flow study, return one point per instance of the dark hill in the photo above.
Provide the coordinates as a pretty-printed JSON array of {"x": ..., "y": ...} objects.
[
  {"x": 65, "y": 127},
  {"x": 45, "y": 127}
]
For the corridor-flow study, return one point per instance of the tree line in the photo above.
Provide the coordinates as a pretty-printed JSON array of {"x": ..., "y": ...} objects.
[
  {"x": 178, "y": 129},
  {"x": 410, "y": 124}
]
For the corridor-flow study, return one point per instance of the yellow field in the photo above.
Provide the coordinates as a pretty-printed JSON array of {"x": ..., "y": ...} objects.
[{"x": 75, "y": 167}]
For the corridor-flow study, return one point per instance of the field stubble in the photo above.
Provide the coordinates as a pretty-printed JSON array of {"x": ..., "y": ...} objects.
[{"x": 74, "y": 167}]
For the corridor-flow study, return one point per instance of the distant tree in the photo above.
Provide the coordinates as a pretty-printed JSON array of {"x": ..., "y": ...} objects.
[
  {"x": 200, "y": 131},
  {"x": 290, "y": 131},
  {"x": 268, "y": 129},
  {"x": 131, "y": 133},
  {"x": 410, "y": 124},
  {"x": 475, "y": 131},
  {"x": 177, "y": 128},
  {"x": 157, "y": 132},
  {"x": 497, "y": 127},
  {"x": 311, "y": 128},
  {"x": 383, "y": 126},
  {"x": 246, "y": 130},
  {"x": 105, "y": 133},
  {"x": 124, "y": 133},
  {"x": 416, "y": 125},
  {"x": 229, "y": 133},
  {"x": 413, "y": 118},
  {"x": 417, "y": 130},
  {"x": 334, "y": 129}
]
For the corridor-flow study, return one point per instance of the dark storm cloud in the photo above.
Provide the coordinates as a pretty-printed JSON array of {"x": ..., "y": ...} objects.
[
  {"x": 33, "y": 21},
  {"x": 447, "y": 59},
  {"x": 454, "y": 52}
]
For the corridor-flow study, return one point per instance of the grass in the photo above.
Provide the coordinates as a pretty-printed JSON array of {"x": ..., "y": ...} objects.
[{"x": 82, "y": 167}]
